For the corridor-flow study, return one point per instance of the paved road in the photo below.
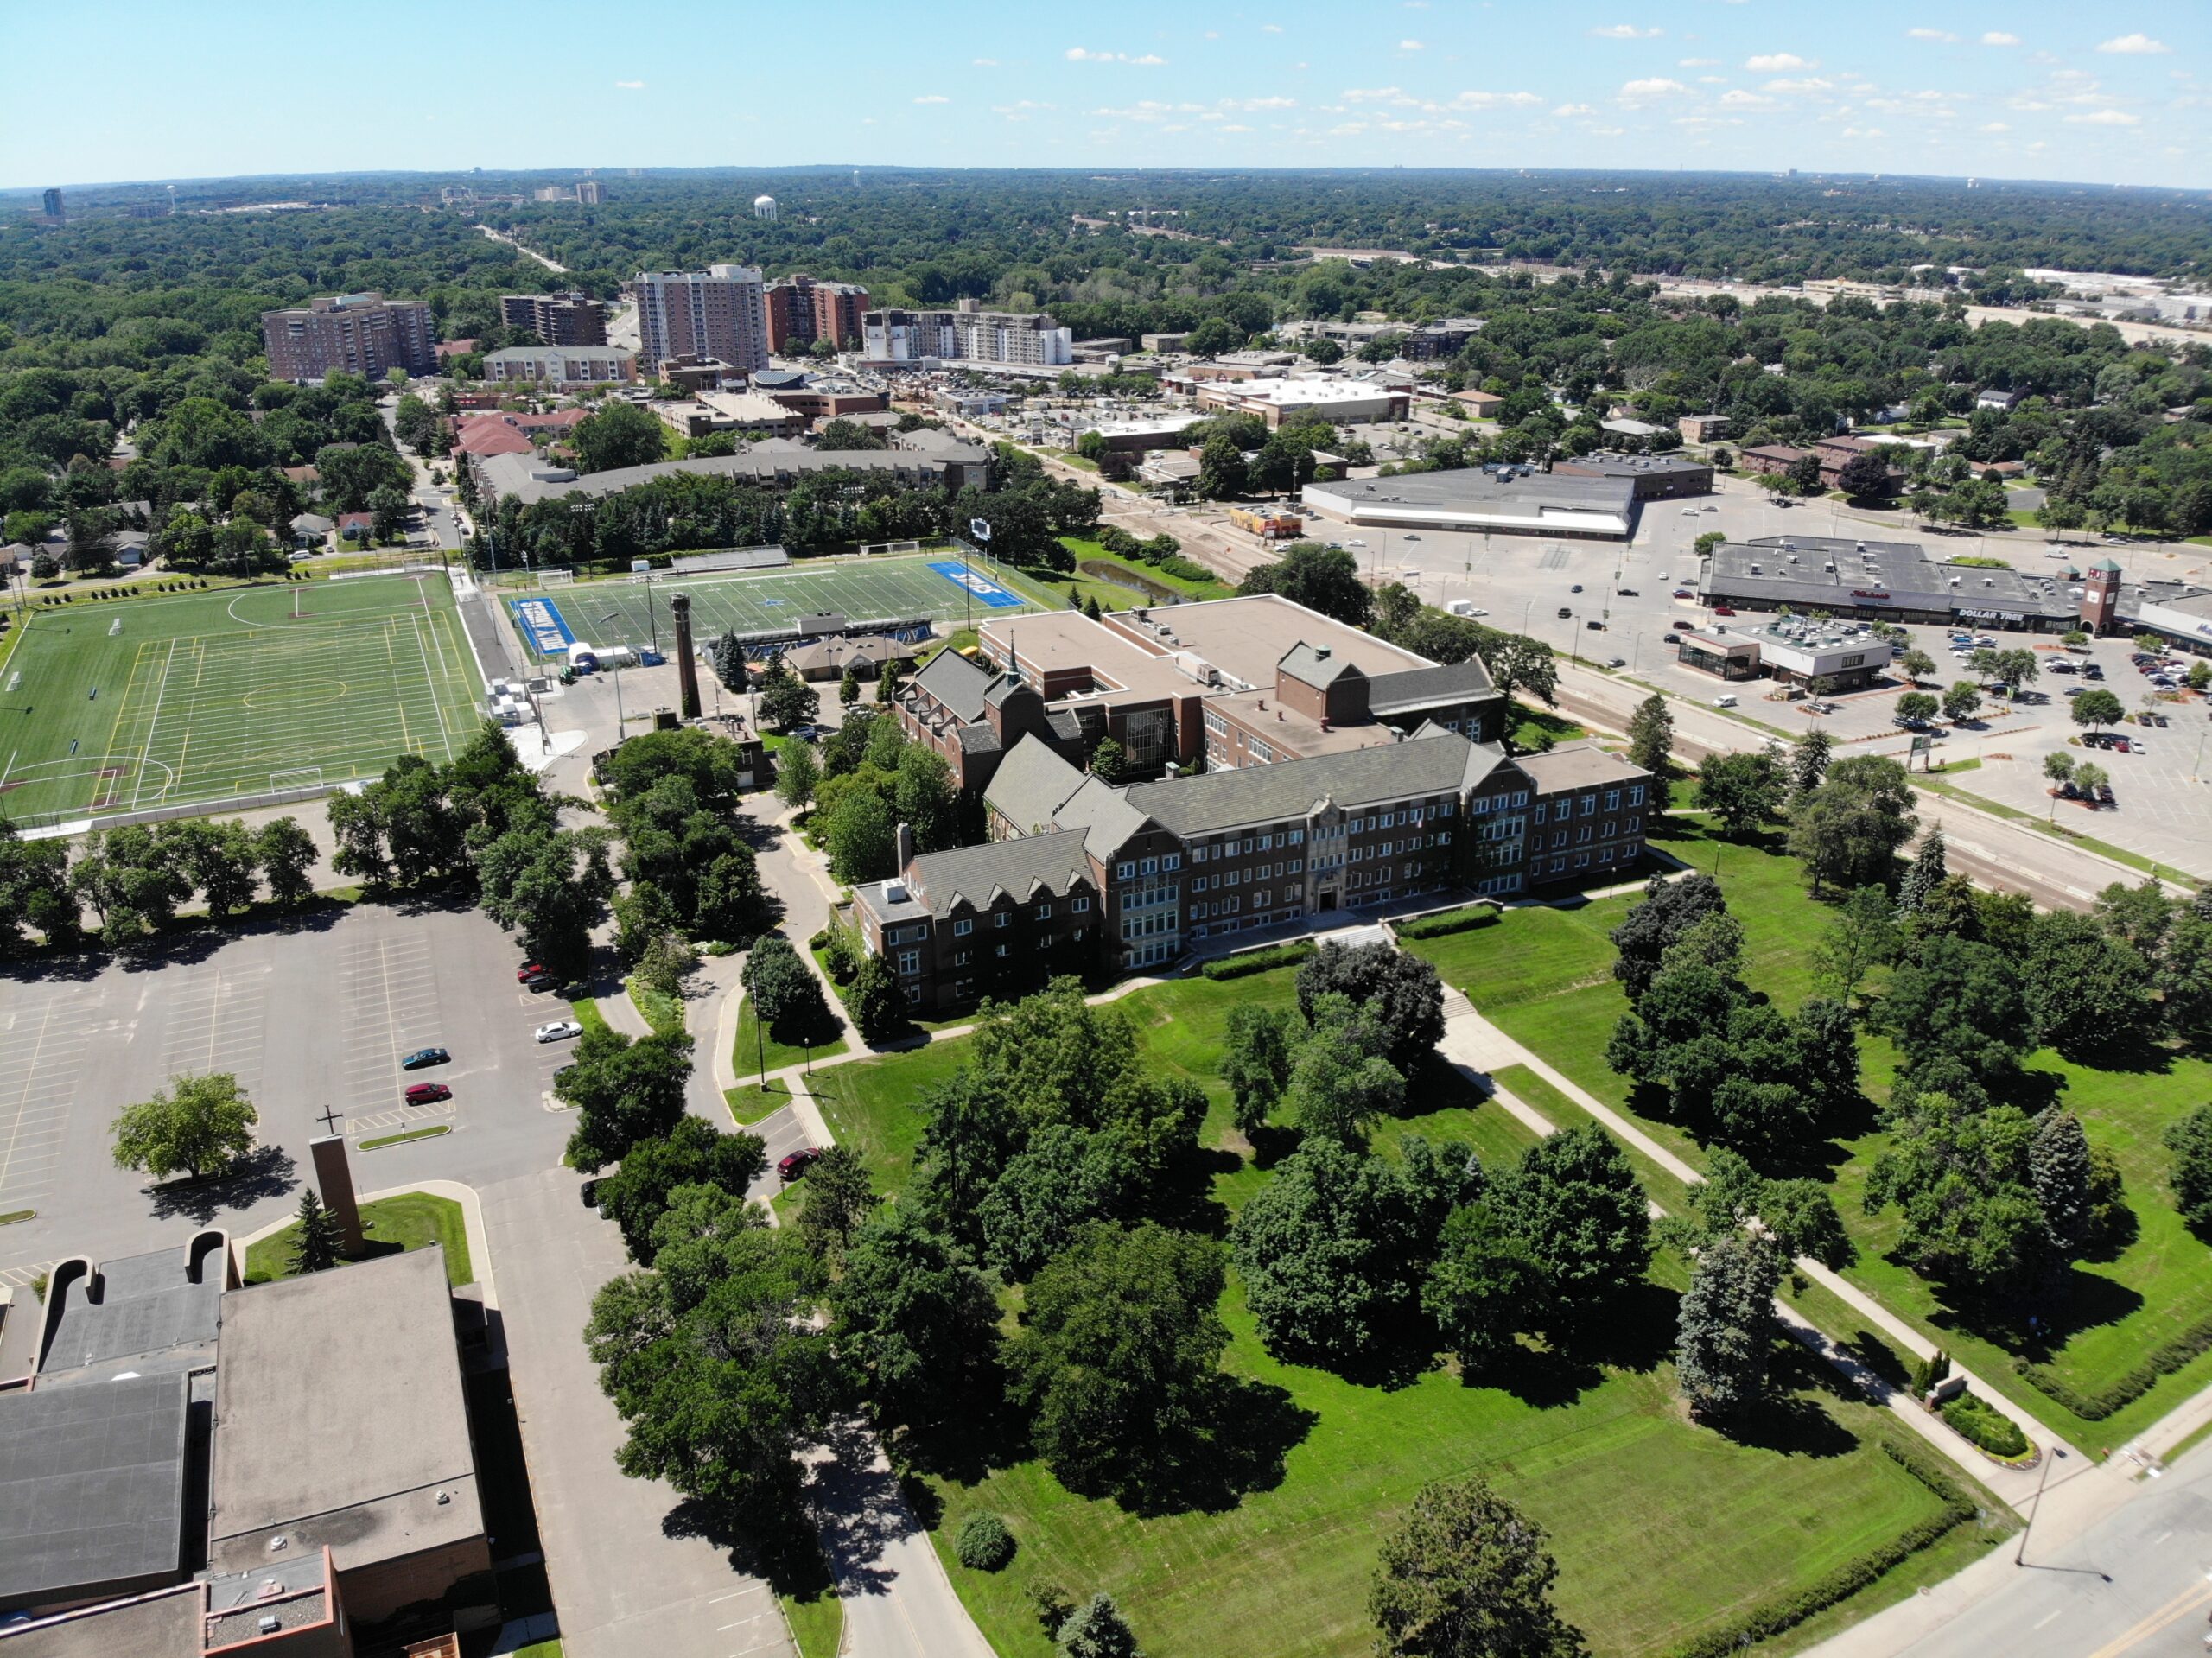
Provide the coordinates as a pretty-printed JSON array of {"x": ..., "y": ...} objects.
[{"x": 2134, "y": 1585}]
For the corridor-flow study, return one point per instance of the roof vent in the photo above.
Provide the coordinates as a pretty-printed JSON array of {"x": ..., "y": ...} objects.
[
  {"x": 444, "y": 1497},
  {"x": 1321, "y": 653},
  {"x": 276, "y": 1543},
  {"x": 268, "y": 1623}
]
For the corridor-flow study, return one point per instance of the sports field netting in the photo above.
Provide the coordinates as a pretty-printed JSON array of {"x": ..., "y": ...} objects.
[
  {"x": 206, "y": 698},
  {"x": 878, "y": 589}
]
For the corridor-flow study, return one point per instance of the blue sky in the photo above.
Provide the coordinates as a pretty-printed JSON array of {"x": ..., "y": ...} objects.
[{"x": 2109, "y": 92}]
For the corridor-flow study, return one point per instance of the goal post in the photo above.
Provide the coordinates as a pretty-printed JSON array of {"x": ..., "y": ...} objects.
[{"x": 300, "y": 778}]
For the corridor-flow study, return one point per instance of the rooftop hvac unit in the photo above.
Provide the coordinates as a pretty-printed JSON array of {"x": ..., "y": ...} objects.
[{"x": 268, "y": 1623}]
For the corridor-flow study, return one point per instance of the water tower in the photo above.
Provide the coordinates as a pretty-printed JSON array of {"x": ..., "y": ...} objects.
[{"x": 764, "y": 207}]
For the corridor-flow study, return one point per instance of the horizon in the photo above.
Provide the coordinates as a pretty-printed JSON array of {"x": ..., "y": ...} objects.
[{"x": 2025, "y": 92}]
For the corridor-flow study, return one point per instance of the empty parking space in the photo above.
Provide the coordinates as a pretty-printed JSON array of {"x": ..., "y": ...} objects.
[
  {"x": 216, "y": 1022},
  {"x": 389, "y": 998},
  {"x": 43, "y": 1035}
]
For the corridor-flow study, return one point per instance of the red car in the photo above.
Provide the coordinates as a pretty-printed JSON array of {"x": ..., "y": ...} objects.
[
  {"x": 794, "y": 1164},
  {"x": 1722, "y": 610},
  {"x": 528, "y": 971},
  {"x": 1684, "y": 593},
  {"x": 427, "y": 1093},
  {"x": 2122, "y": 745}
]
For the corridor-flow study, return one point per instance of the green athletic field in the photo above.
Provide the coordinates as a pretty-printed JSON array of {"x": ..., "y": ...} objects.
[
  {"x": 878, "y": 589},
  {"x": 199, "y": 699}
]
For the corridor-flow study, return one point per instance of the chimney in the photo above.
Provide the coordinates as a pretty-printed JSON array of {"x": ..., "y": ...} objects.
[
  {"x": 687, "y": 661},
  {"x": 906, "y": 854}
]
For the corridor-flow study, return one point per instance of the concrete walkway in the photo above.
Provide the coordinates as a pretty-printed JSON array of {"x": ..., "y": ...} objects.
[{"x": 1473, "y": 1043}]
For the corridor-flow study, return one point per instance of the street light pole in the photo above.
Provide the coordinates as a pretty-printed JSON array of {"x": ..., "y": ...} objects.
[{"x": 611, "y": 616}]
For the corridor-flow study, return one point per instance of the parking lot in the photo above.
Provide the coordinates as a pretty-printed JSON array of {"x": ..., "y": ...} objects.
[{"x": 310, "y": 1021}]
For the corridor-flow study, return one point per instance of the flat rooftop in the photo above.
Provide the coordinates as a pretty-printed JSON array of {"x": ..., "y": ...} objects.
[
  {"x": 341, "y": 1418},
  {"x": 1795, "y": 570},
  {"x": 92, "y": 1488},
  {"x": 1062, "y": 641},
  {"x": 1576, "y": 766},
  {"x": 157, "y": 1310},
  {"x": 1298, "y": 393},
  {"x": 1474, "y": 497},
  {"x": 1245, "y": 638}
]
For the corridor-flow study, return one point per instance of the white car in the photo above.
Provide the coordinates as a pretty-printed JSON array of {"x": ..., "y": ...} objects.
[{"x": 559, "y": 1031}]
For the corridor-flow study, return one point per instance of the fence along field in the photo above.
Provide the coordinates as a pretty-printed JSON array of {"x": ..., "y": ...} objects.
[
  {"x": 204, "y": 699},
  {"x": 880, "y": 589}
]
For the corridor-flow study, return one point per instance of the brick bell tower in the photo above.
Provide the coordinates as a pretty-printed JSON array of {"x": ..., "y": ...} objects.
[{"x": 2101, "y": 597}]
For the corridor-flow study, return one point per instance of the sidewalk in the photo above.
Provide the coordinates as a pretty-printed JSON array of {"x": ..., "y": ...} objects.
[{"x": 1473, "y": 1043}]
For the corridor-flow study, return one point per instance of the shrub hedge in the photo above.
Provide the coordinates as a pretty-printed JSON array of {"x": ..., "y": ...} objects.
[
  {"x": 2094, "y": 1408},
  {"x": 1447, "y": 921},
  {"x": 1981, "y": 1423},
  {"x": 1763, "y": 1623},
  {"x": 1256, "y": 961}
]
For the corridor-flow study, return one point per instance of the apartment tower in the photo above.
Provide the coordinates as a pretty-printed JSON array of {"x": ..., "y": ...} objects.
[
  {"x": 361, "y": 333},
  {"x": 721, "y": 312},
  {"x": 801, "y": 310}
]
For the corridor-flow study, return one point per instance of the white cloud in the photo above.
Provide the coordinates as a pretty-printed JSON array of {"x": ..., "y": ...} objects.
[
  {"x": 1574, "y": 109},
  {"x": 1270, "y": 28},
  {"x": 1626, "y": 32},
  {"x": 1999, "y": 37},
  {"x": 2106, "y": 118},
  {"x": 2137, "y": 45},
  {"x": 1372, "y": 94},
  {"x": 1248, "y": 104},
  {"x": 1412, "y": 45},
  {"x": 1081, "y": 54},
  {"x": 1996, "y": 126},
  {"x": 1654, "y": 87},
  {"x": 986, "y": 63},
  {"x": 1021, "y": 110},
  {"x": 1701, "y": 63},
  {"x": 631, "y": 86},
  {"x": 1941, "y": 35},
  {"x": 1810, "y": 84},
  {"x": 1738, "y": 99},
  {"x": 1778, "y": 63},
  {"x": 1491, "y": 100},
  {"x": 932, "y": 97},
  {"x": 1234, "y": 127}
]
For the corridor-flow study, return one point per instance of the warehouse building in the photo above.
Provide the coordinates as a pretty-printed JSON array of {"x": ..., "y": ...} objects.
[{"x": 1508, "y": 500}]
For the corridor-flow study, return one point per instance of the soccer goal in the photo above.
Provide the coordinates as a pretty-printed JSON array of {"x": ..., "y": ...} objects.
[
  {"x": 556, "y": 578},
  {"x": 305, "y": 777}
]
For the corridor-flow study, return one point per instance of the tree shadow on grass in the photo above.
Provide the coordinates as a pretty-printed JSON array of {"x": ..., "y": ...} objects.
[
  {"x": 1184, "y": 1199},
  {"x": 2077, "y": 1302},
  {"x": 1539, "y": 1376},
  {"x": 1250, "y": 1430},
  {"x": 266, "y": 1171},
  {"x": 1791, "y": 1421},
  {"x": 2132, "y": 1052},
  {"x": 1634, "y": 1330}
]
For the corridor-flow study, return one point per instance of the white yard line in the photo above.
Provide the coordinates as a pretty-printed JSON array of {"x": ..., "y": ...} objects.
[
  {"x": 437, "y": 702},
  {"x": 154, "y": 725}
]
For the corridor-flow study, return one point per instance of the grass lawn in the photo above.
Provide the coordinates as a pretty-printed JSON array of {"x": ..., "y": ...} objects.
[
  {"x": 746, "y": 1049},
  {"x": 1535, "y": 730},
  {"x": 818, "y": 1623},
  {"x": 664, "y": 1013},
  {"x": 1087, "y": 551},
  {"x": 410, "y": 1221},
  {"x": 1601, "y": 1454},
  {"x": 200, "y": 698},
  {"x": 1544, "y": 976}
]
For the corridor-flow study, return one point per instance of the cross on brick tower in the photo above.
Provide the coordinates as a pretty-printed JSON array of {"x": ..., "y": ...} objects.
[{"x": 328, "y": 1120}]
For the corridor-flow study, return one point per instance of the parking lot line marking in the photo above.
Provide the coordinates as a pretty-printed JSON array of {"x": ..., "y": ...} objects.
[{"x": 30, "y": 1071}]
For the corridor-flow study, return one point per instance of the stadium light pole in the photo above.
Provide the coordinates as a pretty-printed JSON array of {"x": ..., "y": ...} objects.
[{"x": 611, "y": 616}]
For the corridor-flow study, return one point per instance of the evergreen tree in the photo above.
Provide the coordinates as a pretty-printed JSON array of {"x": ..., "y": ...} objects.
[
  {"x": 887, "y": 681},
  {"x": 1808, "y": 762},
  {"x": 1108, "y": 760},
  {"x": 849, "y": 687},
  {"x": 1727, "y": 1325},
  {"x": 1467, "y": 1575},
  {"x": 1924, "y": 875},
  {"x": 727, "y": 656},
  {"x": 1090, "y": 608},
  {"x": 1098, "y": 1630},
  {"x": 2058, "y": 1169},
  {"x": 1651, "y": 736},
  {"x": 319, "y": 1240}
]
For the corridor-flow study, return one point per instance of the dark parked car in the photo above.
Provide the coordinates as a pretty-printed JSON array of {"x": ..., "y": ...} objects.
[
  {"x": 1670, "y": 638},
  {"x": 527, "y": 971},
  {"x": 427, "y": 1093},
  {"x": 1626, "y": 593},
  {"x": 2069, "y": 791},
  {"x": 424, "y": 1058},
  {"x": 792, "y": 1165},
  {"x": 2104, "y": 793},
  {"x": 1564, "y": 612},
  {"x": 589, "y": 1192},
  {"x": 1577, "y": 588},
  {"x": 538, "y": 982}
]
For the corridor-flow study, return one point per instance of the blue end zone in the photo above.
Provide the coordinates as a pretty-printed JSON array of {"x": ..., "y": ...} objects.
[
  {"x": 989, "y": 592},
  {"x": 543, "y": 624}
]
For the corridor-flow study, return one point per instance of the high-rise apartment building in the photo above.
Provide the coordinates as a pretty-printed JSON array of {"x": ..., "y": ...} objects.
[
  {"x": 721, "y": 312},
  {"x": 590, "y": 192},
  {"x": 557, "y": 319},
  {"x": 1030, "y": 338},
  {"x": 361, "y": 333},
  {"x": 801, "y": 310},
  {"x": 53, "y": 214}
]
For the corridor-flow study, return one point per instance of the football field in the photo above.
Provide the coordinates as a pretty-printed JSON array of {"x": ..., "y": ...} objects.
[
  {"x": 635, "y": 612},
  {"x": 200, "y": 699}
]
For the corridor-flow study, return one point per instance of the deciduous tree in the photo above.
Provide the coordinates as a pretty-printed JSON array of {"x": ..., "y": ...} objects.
[
  {"x": 1468, "y": 1575},
  {"x": 196, "y": 1126}
]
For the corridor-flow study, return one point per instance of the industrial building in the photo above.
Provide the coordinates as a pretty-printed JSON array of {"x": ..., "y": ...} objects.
[{"x": 1506, "y": 501}]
